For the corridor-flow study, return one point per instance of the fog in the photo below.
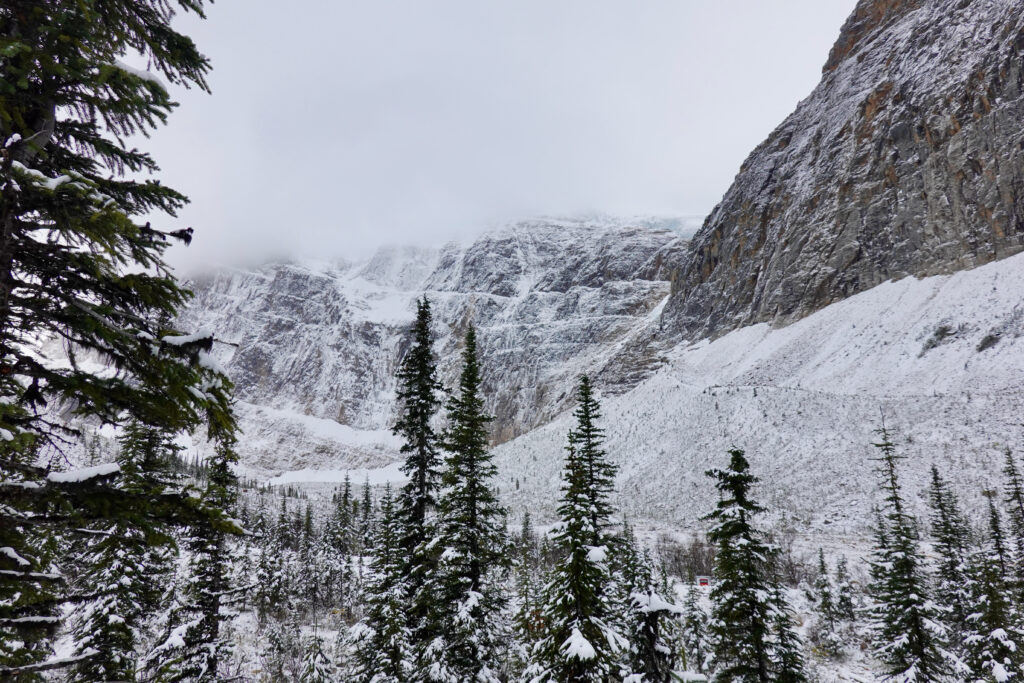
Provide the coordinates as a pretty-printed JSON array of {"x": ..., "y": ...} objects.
[{"x": 334, "y": 126}]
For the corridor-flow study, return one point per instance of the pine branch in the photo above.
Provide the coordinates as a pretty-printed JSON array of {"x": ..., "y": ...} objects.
[{"x": 49, "y": 665}]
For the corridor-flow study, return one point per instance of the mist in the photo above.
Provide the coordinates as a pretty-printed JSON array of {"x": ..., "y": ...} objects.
[{"x": 336, "y": 127}]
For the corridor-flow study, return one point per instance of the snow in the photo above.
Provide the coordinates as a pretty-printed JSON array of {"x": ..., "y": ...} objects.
[
  {"x": 84, "y": 474},
  {"x": 652, "y": 602},
  {"x": 12, "y": 554},
  {"x": 597, "y": 554},
  {"x": 315, "y": 377},
  {"x": 803, "y": 401},
  {"x": 376, "y": 477},
  {"x": 578, "y": 647},
  {"x": 182, "y": 339},
  {"x": 140, "y": 73}
]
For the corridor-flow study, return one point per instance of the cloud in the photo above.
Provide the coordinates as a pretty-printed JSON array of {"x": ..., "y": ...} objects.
[{"x": 337, "y": 126}]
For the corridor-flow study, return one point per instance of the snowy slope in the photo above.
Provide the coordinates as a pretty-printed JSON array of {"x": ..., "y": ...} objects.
[{"x": 803, "y": 401}]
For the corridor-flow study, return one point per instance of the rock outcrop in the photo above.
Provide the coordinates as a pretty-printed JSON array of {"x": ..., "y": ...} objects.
[{"x": 907, "y": 159}]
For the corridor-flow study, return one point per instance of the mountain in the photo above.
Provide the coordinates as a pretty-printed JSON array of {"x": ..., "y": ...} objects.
[
  {"x": 313, "y": 347},
  {"x": 906, "y": 159},
  {"x": 861, "y": 269}
]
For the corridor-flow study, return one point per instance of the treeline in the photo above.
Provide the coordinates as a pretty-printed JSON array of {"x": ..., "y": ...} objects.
[{"x": 449, "y": 594}]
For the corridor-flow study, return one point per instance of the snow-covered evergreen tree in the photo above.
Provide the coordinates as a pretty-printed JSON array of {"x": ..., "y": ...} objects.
[
  {"x": 647, "y": 618},
  {"x": 826, "y": 635},
  {"x": 581, "y": 641},
  {"x": 846, "y": 606},
  {"x": 527, "y": 620},
  {"x": 471, "y": 544},
  {"x": 126, "y": 562},
  {"x": 909, "y": 637},
  {"x": 317, "y": 666},
  {"x": 696, "y": 639},
  {"x": 993, "y": 639},
  {"x": 751, "y": 628},
  {"x": 1014, "y": 490},
  {"x": 952, "y": 546},
  {"x": 193, "y": 648},
  {"x": 419, "y": 398},
  {"x": 81, "y": 264},
  {"x": 383, "y": 649}
]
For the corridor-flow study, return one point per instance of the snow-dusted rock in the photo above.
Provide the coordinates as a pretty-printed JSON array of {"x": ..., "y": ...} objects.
[{"x": 907, "y": 159}]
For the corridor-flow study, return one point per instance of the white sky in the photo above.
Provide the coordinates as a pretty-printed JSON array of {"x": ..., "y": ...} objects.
[{"x": 336, "y": 126}]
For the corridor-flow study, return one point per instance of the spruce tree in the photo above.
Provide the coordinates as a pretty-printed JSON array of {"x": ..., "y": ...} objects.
[
  {"x": 827, "y": 633},
  {"x": 846, "y": 608},
  {"x": 646, "y": 618},
  {"x": 471, "y": 543},
  {"x": 125, "y": 564},
  {"x": 993, "y": 638},
  {"x": 952, "y": 545},
  {"x": 80, "y": 265},
  {"x": 599, "y": 472},
  {"x": 581, "y": 641},
  {"x": 316, "y": 665},
  {"x": 696, "y": 643},
  {"x": 418, "y": 400},
  {"x": 383, "y": 650},
  {"x": 750, "y": 626},
  {"x": 527, "y": 621},
  {"x": 193, "y": 647},
  {"x": 1014, "y": 490},
  {"x": 909, "y": 638}
]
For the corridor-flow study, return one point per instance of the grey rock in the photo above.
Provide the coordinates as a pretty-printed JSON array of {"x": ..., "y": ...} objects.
[{"x": 907, "y": 159}]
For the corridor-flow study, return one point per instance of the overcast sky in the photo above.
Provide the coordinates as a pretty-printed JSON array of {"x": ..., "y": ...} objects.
[{"x": 336, "y": 126}]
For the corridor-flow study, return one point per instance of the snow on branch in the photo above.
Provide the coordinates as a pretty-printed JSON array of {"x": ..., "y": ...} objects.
[
  {"x": 48, "y": 665},
  {"x": 84, "y": 474}
]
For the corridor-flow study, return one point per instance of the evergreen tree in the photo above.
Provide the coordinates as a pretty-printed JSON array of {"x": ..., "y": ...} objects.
[
  {"x": 1014, "y": 488},
  {"x": 909, "y": 639},
  {"x": 418, "y": 399},
  {"x": 471, "y": 543},
  {"x": 952, "y": 542},
  {"x": 193, "y": 648},
  {"x": 993, "y": 639},
  {"x": 751, "y": 627},
  {"x": 527, "y": 622},
  {"x": 366, "y": 518},
  {"x": 383, "y": 651},
  {"x": 599, "y": 472},
  {"x": 697, "y": 647},
  {"x": 316, "y": 665},
  {"x": 827, "y": 634},
  {"x": 79, "y": 265},
  {"x": 646, "y": 619},
  {"x": 125, "y": 563},
  {"x": 581, "y": 641},
  {"x": 845, "y": 606}
]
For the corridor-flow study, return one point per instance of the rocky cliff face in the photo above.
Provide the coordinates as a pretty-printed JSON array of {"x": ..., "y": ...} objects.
[
  {"x": 313, "y": 348},
  {"x": 907, "y": 159}
]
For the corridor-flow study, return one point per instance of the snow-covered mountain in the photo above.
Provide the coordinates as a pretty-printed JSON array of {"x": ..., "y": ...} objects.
[
  {"x": 904, "y": 163},
  {"x": 317, "y": 346},
  {"x": 313, "y": 347}
]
